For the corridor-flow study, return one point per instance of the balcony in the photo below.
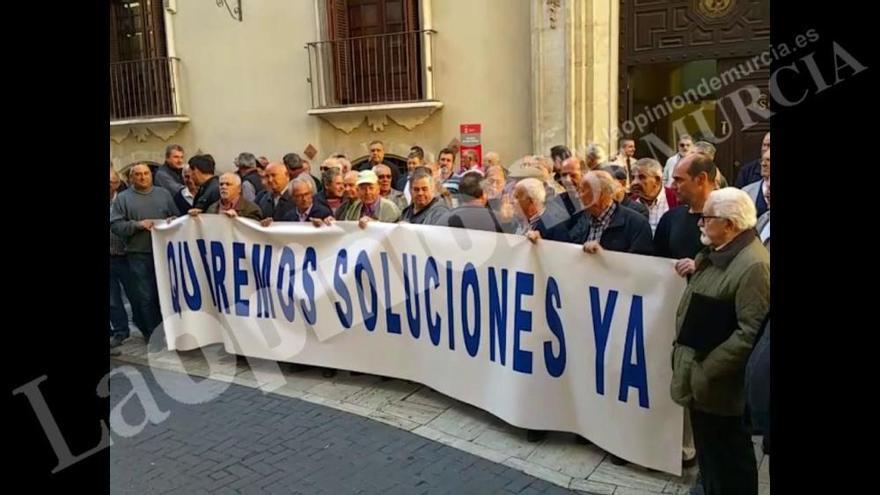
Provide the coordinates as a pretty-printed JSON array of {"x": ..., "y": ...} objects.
[
  {"x": 373, "y": 76},
  {"x": 144, "y": 91}
]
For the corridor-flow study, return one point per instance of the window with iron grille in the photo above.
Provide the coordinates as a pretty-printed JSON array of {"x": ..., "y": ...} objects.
[
  {"x": 373, "y": 53},
  {"x": 140, "y": 70}
]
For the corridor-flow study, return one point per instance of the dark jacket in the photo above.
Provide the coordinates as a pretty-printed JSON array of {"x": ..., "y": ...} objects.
[
  {"x": 321, "y": 197},
  {"x": 319, "y": 184},
  {"x": 260, "y": 195},
  {"x": 182, "y": 204},
  {"x": 553, "y": 224},
  {"x": 208, "y": 194},
  {"x": 429, "y": 215},
  {"x": 636, "y": 206},
  {"x": 244, "y": 208},
  {"x": 571, "y": 206},
  {"x": 253, "y": 177},
  {"x": 755, "y": 190},
  {"x": 319, "y": 210},
  {"x": 758, "y": 386},
  {"x": 508, "y": 227},
  {"x": 750, "y": 172},
  {"x": 275, "y": 212},
  {"x": 678, "y": 235},
  {"x": 473, "y": 217},
  {"x": 169, "y": 179},
  {"x": 403, "y": 183},
  {"x": 627, "y": 232}
]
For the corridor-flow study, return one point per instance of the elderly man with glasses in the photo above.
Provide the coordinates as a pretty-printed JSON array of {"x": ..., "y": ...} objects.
[{"x": 721, "y": 311}]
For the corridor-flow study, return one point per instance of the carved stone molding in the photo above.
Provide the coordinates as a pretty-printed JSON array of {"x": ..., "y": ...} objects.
[
  {"x": 406, "y": 115},
  {"x": 553, "y": 8},
  {"x": 141, "y": 130}
]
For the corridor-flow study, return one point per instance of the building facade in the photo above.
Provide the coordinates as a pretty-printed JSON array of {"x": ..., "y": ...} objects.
[{"x": 318, "y": 77}]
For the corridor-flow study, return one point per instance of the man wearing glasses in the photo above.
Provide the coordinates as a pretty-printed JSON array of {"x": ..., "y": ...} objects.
[
  {"x": 685, "y": 147},
  {"x": 717, "y": 321},
  {"x": 383, "y": 172}
]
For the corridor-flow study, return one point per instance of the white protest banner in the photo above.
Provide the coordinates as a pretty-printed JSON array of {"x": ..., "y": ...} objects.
[{"x": 543, "y": 336}]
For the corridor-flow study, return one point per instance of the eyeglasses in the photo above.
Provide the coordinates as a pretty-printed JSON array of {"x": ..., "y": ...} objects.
[
  {"x": 703, "y": 218},
  {"x": 383, "y": 176}
]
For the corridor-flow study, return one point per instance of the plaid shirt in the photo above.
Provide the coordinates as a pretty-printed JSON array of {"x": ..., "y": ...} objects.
[
  {"x": 117, "y": 246},
  {"x": 598, "y": 225}
]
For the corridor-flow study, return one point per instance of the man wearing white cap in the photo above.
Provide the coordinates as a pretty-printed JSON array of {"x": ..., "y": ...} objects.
[{"x": 371, "y": 205}]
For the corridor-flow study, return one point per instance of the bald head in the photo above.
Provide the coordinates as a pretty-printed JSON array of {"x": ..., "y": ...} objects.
[
  {"x": 349, "y": 185},
  {"x": 277, "y": 177},
  {"x": 572, "y": 169}
]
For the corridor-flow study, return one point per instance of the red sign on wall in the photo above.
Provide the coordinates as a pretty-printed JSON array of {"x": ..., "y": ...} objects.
[{"x": 470, "y": 141}]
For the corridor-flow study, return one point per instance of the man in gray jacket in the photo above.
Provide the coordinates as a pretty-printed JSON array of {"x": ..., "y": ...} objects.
[
  {"x": 170, "y": 175},
  {"x": 426, "y": 207},
  {"x": 132, "y": 217}
]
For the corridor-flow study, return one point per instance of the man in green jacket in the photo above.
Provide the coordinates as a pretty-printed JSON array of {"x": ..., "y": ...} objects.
[
  {"x": 232, "y": 203},
  {"x": 371, "y": 205},
  {"x": 734, "y": 272}
]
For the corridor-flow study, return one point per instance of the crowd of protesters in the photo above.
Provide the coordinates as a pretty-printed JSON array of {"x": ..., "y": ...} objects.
[{"x": 719, "y": 237}]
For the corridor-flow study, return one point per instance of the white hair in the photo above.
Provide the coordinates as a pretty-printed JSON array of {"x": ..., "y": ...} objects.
[
  {"x": 595, "y": 152},
  {"x": 734, "y": 205},
  {"x": 308, "y": 181},
  {"x": 650, "y": 166},
  {"x": 332, "y": 163},
  {"x": 236, "y": 179},
  {"x": 246, "y": 160},
  {"x": 600, "y": 182},
  {"x": 376, "y": 168},
  {"x": 534, "y": 189},
  {"x": 545, "y": 163},
  {"x": 706, "y": 148}
]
